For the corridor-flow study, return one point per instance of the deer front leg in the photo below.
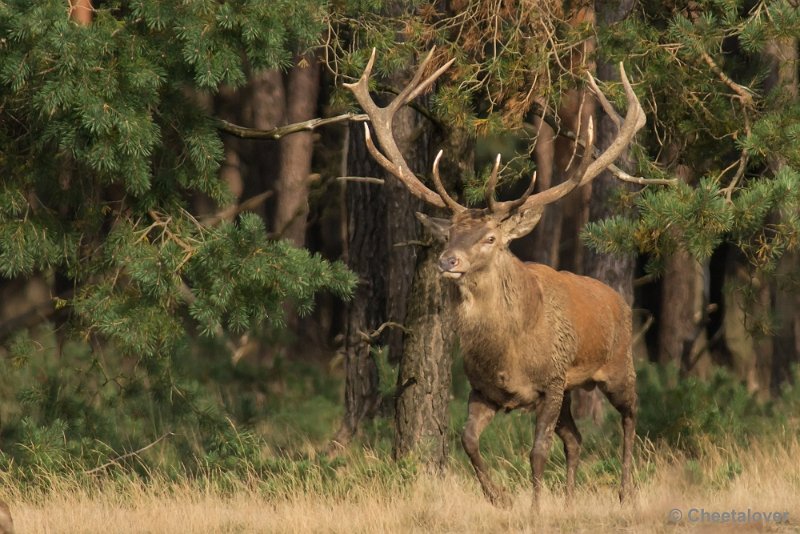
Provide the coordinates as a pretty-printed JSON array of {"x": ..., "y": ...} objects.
[
  {"x": 569, "y": 434},
  {"x": 546, "y": 417},
  {"x": 480, "y": 414}
]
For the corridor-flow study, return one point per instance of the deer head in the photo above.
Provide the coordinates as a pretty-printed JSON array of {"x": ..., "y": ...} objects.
[{"x": 474, "y": 237}]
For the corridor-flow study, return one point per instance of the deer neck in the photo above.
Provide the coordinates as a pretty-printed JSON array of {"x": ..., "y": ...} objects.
[{"x": 502, "y": 296}]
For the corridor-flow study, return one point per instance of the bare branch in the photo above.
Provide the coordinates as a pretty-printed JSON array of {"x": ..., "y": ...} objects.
[
  {"x": 232, "y": 211},
  {"x": 744, "y": 94},
  {"x": 619, "y": 174},
  {"x": 375, "y": 334},
  {"x": 362, "y": 179},
  {"x": 282, "y": 131}
]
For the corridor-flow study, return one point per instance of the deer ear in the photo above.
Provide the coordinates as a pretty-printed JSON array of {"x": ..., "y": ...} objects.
[
  {"x": 520, "y": 223},
  {"x": 438, "y": 228}
]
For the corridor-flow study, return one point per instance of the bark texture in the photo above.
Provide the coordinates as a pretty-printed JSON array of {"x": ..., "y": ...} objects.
[
  {"x": 781, "y": 55},
  {"x": 366, "y": 257},
  {"x": 421, "y": 415},
  {"x": 411, "y": 131},
  {"x": 424, "y": 379},
  {"x": 81, "y": 11},
  {"x": 291, "y": 209}
]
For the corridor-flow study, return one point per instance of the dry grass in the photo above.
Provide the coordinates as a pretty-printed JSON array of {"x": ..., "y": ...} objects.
[{"x": 768, "y": 479}]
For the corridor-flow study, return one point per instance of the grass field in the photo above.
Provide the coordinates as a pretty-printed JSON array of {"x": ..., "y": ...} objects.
[{"x": 369, "y": 493}]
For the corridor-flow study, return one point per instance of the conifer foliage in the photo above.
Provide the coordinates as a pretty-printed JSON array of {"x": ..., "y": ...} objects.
[
  {"x": 103, "y": 147},
  {"x": 710, "y": 110}
]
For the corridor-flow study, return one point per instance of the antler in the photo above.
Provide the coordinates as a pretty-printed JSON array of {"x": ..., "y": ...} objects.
[
  {"x": 381, "y": 118},
  {"x": 587, "y": 170}
]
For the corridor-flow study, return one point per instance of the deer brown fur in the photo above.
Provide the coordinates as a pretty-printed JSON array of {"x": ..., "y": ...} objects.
[{"x": 529, "y": 334}]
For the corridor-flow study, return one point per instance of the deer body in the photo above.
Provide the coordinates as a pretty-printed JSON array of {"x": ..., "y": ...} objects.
[
  {"x": 524, "y": 325},
  {"x": 529, "y": 334}
]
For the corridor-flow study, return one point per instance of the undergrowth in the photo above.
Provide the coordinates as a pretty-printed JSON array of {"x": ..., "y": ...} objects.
[{"x": 86, "y": 420}]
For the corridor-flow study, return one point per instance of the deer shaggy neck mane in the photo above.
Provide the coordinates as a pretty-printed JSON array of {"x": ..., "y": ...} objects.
[{"x": 486, "y": 296}]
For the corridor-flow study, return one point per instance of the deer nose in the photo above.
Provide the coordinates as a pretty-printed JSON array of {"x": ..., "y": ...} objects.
[{"x": 448, "y": 263}]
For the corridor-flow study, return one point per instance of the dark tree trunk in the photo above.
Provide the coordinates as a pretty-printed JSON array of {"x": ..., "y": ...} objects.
[
  {"x": 555, "y": 239},
  {"x": 422, "y": 417},
  {"x": 424, "y": 360},
  {"x": 738, "y": 339},
  {"x": 684, "y": 299},
  {"x": 683, "y": 303},
  {"x": 781, "y": 56},
  {"x": 547, "y": 234},
  {"x": 423, "y": 387},
  {"x": 366, "y": 256},
  {"x": 411, "y": 131},
  {"x": 388, "y": 259}
]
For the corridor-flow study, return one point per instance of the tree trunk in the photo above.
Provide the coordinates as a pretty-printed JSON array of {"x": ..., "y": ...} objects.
[
  {"x": 547, "y": 234},
  {"x": 367, "y": 252},
  {"x": 682, "y": 319},
  {"x": 291, "y": 209},
  {"x": 555, "y": 156},
  {"x": 81, "y": 11},
  {"x": 264, "y": 109},
  {"x": 411, "y": 131},
  {"x": 423, "y": 386},
  {"x": 424, "y": 364},
  {"x": 388, "y": 213},
  {"x": 781, "y": 55}
]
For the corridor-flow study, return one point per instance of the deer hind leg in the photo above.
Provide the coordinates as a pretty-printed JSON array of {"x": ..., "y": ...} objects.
[
  {"x": 622, "y": 396},
  {"x": 547, "y": 414},
  {"x": 569, "y": 434},
  {"x": 480, "y": 414}
]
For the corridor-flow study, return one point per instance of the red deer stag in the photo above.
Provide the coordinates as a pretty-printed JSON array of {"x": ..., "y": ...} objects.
[{"x": 529, "y": 334}]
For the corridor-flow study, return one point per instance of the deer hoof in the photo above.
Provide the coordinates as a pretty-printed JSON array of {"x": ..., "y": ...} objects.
[{"x": 498, "y": 498}]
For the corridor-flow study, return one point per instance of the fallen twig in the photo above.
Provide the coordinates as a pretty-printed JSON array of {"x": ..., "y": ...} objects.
[{"x": 116, "y": 460}]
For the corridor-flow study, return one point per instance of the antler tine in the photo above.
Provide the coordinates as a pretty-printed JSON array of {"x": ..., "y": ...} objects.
[
  {"x": 588, "y": 169},
  {"x": 416, "y": 90},
  {"x": 382, "y": 160},
  {"x": 491, "y": 185},
  {"x": 381, "y": 118},
  {"x": 437, "y": 181},
  {"x": 511, "y": 205},
  {"x": 604, "y": 103},
  {"x": 360, "y": 88}
]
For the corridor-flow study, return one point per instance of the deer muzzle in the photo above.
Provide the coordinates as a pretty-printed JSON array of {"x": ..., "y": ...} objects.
[{"x": 449, "y": 265}]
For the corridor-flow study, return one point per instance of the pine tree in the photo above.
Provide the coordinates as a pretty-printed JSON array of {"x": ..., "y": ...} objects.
[{"x": 103, "y": 146}]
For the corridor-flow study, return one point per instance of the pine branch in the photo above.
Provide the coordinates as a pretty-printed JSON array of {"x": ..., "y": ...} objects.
[{"x": 282, "y": 131}]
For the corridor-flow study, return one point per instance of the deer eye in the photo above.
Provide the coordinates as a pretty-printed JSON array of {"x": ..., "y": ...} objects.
[{"x": 489, "y": 240}]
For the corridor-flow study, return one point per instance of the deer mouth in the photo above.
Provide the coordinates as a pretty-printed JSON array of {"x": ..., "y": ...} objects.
[{"x": 454, "y": 275}]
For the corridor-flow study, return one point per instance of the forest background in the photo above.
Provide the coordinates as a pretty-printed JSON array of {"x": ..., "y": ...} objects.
[{"x": 204, "y": 276}]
